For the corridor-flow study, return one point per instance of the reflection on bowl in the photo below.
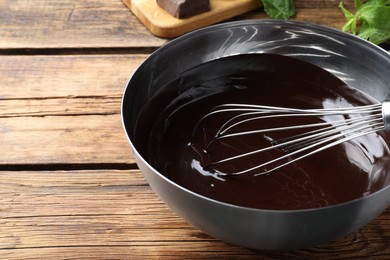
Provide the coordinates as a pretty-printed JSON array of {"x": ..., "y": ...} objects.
[{"x": 177, "y": 82}]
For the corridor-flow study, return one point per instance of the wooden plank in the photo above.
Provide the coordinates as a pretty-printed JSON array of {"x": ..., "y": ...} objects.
[
  {"x": 60, "y": 106},
  {"x": 163, "y": 24},
  {"x": 84, "y": 139},
  {"x": 66, "y": 76},
  {"x": 65, "y": 180},
  {"x": 169, "y": 250},
  {"x": 70, "y": 193},
  {"x": 114, "y": 214},
  {"x": 110, "y": 24},
  {"x": 41, "y": 93},
  {"x": 64, "y": 110},
  {"x": 71, "y": 24},
  {"x": 324, "y": 13}
]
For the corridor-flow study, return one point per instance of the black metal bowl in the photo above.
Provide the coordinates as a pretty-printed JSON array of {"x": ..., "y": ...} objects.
[{"x": 355, "y": 61}]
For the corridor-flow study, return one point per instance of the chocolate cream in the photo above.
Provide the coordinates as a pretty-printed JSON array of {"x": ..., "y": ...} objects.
[{"x": 178, "y": 142}]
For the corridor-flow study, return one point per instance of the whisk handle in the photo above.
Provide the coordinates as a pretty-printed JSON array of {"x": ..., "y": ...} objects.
[{"x": 386, "y": 115}]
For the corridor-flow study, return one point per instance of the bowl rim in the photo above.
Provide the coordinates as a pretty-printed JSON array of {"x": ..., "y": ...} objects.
[{"x": 225, "y": 25}]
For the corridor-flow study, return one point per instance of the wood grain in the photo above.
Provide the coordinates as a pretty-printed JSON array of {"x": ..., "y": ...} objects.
[
  {"x": 92, "y": 139},
  {"x": 64, "y": 109},
  {"x": 92, "y": 214},
  {"x": 69, "y": 186},
  {"x": 60, "y": 106},
  {"x": 53, "y": 76},
  {"x": 109, "y": 24},
  {"x": 71, "y": 24}
]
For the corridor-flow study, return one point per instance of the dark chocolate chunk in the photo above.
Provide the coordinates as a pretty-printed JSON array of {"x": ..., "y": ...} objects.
[{"x": 184, "y": 8}]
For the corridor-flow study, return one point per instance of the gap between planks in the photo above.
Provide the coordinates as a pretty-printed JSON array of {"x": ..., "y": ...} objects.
[
  {"x": 76, "y": 51},
  {"x": 68, "y": 167},
  {"x": 72, "y": 105}
]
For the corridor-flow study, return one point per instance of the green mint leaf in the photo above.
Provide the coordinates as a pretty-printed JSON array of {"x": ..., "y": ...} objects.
[
  {"x": 358, "y": 4},
  {"x": 346, "y": 13},
  {"x": 374, "y": 2},
  {"x": 375, "y": 23},
  {"x": 350, "y": 25},
  {"x": 279, "y": 9},
  {"x": 371, "y": 21}
]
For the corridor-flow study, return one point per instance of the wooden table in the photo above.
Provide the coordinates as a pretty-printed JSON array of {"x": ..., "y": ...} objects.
[{"x": 69, "y": 186}]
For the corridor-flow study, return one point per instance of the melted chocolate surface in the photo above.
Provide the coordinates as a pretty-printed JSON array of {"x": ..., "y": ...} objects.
[{"x": 178, "y": 144}]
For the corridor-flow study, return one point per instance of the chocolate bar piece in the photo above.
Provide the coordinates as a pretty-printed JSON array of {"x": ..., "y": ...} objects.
[{"x": 184, "y": 8}]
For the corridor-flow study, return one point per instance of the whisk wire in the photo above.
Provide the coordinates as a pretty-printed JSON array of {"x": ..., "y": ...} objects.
[
  {"x": 290, "y": 154},
  {"x": 357, "y": 121},
  {"x": 307, "y": 146}
]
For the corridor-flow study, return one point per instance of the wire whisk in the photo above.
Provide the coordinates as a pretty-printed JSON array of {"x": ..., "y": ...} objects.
[{"x": 336, "y": 125}]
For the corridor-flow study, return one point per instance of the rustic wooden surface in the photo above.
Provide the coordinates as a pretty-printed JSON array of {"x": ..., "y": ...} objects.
[{"x": 69, "y": 187}]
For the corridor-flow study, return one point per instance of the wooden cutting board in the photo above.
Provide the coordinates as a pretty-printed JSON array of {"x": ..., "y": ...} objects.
[{"x": 162, "y": 24}]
